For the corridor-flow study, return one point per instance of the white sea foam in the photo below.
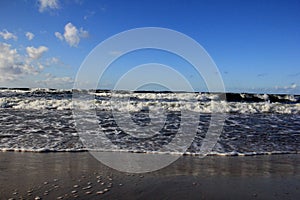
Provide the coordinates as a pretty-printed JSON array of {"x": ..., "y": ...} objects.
[
  {"x": 167, "y": 103},
  {"x": 42, "y": 128}
]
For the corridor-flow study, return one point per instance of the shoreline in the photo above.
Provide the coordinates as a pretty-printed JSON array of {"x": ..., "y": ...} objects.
[
  {"x": 214, "y": 154},
  {"x": 69, "y": 175}
]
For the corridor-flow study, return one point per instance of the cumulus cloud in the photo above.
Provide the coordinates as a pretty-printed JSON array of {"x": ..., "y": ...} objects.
[
  {"x": 16, "y": 67},
  {"x": 29, "y": 35},
  {"x": 36, "y": 53},
  {"x": 13, "y": 65},
  {"x": 7, "y": 35},
  {"x": 59, "y": 36},
  {"x": 48, "y": 5},
  {"x": 72, "y": 35}
]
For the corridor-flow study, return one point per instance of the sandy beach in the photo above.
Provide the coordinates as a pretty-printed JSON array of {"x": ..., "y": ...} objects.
[{"x": 81, "y": 176}]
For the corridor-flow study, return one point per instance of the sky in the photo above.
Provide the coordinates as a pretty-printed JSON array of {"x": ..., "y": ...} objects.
[{"x": 254, "y": 44}]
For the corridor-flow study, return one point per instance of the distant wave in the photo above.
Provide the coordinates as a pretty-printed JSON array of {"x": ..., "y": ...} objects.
[{"x": 58, "y": 99}]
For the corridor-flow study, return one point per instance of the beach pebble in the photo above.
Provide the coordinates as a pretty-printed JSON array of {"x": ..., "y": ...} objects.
[
  {"x": 88, "y": 187},
  {"x": 100, "y": 192},
  {"x": 45, "y": 183},
  {"x": 88, "y": 192},
  {"x": 55, "y": 180},
  {"x": 89, "y": 183},
  {"x": 75, "y": 186},
  {"x": 106, "y": 190},
  {"x": 59, "y": 198},
  {"x": 37, "y": 198},
  {"x": 74, "y": 191},
  {"x": 15, "y": 193},
  {"x": 120, "y": 184},
  {"x": 11, "y": 199}
]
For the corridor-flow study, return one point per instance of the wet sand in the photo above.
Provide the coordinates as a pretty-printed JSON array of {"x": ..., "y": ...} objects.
[{"x": 80, "y": 176}]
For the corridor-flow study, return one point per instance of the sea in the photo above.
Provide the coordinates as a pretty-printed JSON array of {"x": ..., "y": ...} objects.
[{"x": 46, "y": 120}]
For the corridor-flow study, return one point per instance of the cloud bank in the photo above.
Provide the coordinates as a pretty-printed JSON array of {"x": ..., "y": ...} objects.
[{"x": 13, "y": 65}]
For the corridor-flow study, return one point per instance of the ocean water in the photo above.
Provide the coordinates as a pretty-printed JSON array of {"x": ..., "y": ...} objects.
[{"x": 42, "y": 120}]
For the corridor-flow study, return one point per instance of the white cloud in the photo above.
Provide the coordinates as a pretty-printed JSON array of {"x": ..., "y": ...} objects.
[
  {"x": 25, "y": 70},
  {"x": 29, "y": 35},
  {"x": 36, "y": 53},
  {"x": 89, "y": 14},
  {"x": 59, "y": 36},
  {"x": 72, "y": 35},
  {"x": 53, "y": 60},
  {"x": 13, "y": 65},
  {"x": 83, "y": 33},
  {"x": 51, "y": 81},
  {"x": 293, "y": 86},
  {"x": 288, "y": 87},
  {"x": 48, "y": 5},
  {"x": 40, "y": 66},
  {"x": 7, "y": 35}
]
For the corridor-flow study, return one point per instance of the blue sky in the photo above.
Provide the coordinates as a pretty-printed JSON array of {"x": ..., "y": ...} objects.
[{"x": 255, "y": 44}]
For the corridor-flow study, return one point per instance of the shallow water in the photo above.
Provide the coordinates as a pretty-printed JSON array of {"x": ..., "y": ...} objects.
[
  {"x": 38, "y": 120},
  {"x": 53, "y": 130}
]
